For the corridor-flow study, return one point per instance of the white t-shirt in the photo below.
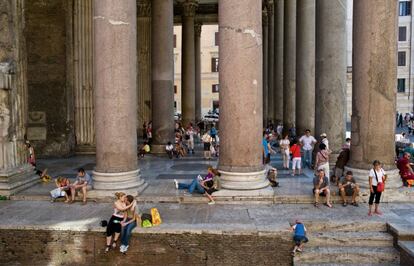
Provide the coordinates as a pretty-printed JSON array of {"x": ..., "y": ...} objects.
[
  {"x": 326, "y": 142},
  {"x": 380, "y": 174},
  {"x": 169, "y": 147},
  {"x": 307, "y": 142}
]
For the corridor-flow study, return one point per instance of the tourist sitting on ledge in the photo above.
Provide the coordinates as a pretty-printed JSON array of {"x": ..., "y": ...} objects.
[
  {"x": 348, "y": 187},
  {"x": 405, "y": 167},
  {"x": 83, "y": 182},
  {"x": 321, "y": 188},
  {"x": 169, "y": 148},
  {"x": 144, "y": 150},
  {"x": 128, "y": 224},
  {"x": 62, "y": 190},
  {"x": 211, "y": 186}
]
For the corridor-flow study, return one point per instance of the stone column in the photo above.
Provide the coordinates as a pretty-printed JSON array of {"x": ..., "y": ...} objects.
[
  {"x": 197, "y": 45},
  {"x": 240, "y": 163},
  {"x": 278, "y": 62},
  {"x": 115, "y": 55},
  {"x": 271, "y": 55},
  {"x": 144, "y": 63},
  {"x": 83, "y": 76},
  {"x": 330, "y": 91},
  {"x": 265, "y": 68},
  {"x": 162, "y": 74},
  {"x": 289, "y": 64},
  {"x": 188, "y": 62},
  {"x": 305, "y": 66},
  {"x": 15, "y": 173},
  {"x": 373, "y": 88}
]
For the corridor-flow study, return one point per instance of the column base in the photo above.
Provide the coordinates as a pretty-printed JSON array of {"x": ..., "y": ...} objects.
[
  {"x": 106, "y": 184},
  {"x": 361, "y": 177},
  {"x": 267, "y": 192},
  {"x": 17, "y": 179},
  {"x": 158, "y": 149},
  {"x": 242, "y": 181}
]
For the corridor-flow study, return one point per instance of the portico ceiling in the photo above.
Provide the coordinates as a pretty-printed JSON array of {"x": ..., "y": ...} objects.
[{"x": 206, "y": 13}]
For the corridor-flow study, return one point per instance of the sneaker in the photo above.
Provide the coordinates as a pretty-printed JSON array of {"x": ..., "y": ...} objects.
[
  {"x": 126, "y": 248},
  {"x": 122, "y": 248},
  {"x": 211, "y": 202},
  {"x": 176, "y": 183}
]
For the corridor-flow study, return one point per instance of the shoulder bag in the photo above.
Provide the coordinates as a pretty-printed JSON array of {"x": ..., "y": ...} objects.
[{"x": 380, "y": 186}]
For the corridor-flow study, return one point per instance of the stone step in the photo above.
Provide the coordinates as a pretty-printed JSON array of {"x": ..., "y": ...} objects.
[
  {"x": 342, "y": 264},
  {"x": 348, "y": 256},
  {"x": 340, "y": 226},
  {"x": 348, "y": 239}
]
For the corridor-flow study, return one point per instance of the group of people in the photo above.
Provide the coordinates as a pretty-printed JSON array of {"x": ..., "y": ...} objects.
[{"x": 65, "y": 189}]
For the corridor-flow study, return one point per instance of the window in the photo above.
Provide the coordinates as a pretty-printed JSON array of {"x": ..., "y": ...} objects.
[
  {"x": 175, "y": 104},
  {"x": 402, "y": 34},
  {"x": 405, "y": 8},
  {"x": 401, "y": 85},
  {"x": 215, "y": 88},
  {"x": 216, "y": 38},
  {"x": 401, "y": 58},
  {"x": 214, "y": 64},
  {"x": 175, "y": 41},
  {"x": 175, "y": 89}
]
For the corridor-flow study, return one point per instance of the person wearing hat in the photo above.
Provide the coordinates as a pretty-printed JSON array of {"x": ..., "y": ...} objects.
[{"x": 324, "y": 140}]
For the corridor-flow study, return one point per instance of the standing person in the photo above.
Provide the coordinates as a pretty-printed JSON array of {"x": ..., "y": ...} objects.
[
  {"x": 207, "y": 143},
  {"x": 284, "y": 150},
  {"x": 324, "y": 140},
  {"x": 299, "y": 236},
  {"x": 348, "y": 187},
  {"x": 31, "y": 158},
  {"x": 113, "y": 230},
  {"x": 128, "y": 224},
  {"x": 169, "y": 148},
  {"x": 213, "y": 132},
  {"x": 296, "y": 157},
  {"x": 341, "y": 161},
  {"x": 279, "y": 129},
  {"x": 307, "y": 141},
  {"x": 149, "y": 133},
  {"x": 266, "y": 151},
  {"x": 377, "y": 175},
  {"x": 83, "y": 180},
  {"x": 400, "y": 120},
  {"x": 144, "y": 131},
  {"x": 322, "y": 159},
  {"x": 321, "y": 188},
  {"x": 190, "y": 139}
]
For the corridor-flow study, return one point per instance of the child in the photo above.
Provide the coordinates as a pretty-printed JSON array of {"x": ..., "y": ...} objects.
[
  {"x": 62, "y": 190},
  {"x": 299, "y": 236}
]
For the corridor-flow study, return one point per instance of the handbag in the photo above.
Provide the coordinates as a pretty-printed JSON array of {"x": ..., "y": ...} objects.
[{"x": 380, "y": 186}]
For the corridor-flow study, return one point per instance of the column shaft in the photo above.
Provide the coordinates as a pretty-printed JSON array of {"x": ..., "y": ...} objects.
[
  {"x": 289, "y": 64},
  {"x": 330, "y": 91},
  {"x": 144, "y": 63},
  {"x": 162, "y": 74},
  {"x": 188, "y": 63},
  {"x": 115, "y": 96},
  {"x": 265, "y": 69},
  {"x": 278, "y": 62},
  {"x": 305, "y": 66},
  {"x": 197, "y": 40},
  {"x": 240, "y": 76},
  {"x": 373, "y": 86},
  {"x": 271, "y": 54}
]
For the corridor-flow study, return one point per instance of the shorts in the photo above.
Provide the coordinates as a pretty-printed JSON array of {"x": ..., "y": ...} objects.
[
  {"x": 321, "y": 194},
  {"x": 207, "y": 146},
  {"x": 300, "y": 239},
  {"x": 296, "y": 161},
  {"x": 114, "y": 225},
  {"x": 348, "y": 191}
]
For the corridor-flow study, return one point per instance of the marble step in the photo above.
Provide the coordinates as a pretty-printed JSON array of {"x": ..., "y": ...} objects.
[
  {"x": 348, "y": 239},
  {"x": 343, "y": 264},
  {"x": 340, "y": 226},
  {"x": 348, "y": 256}
]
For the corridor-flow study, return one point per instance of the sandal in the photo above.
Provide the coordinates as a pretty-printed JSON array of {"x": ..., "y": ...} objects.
[
  {"x": 316, "y": 205},
  {"x": 108, "y": 247},
  {"x": 344, "y": 204},
  {"x": 354, "y": 204},
  {"x": 369, "y": 213},
  {"x": 328, "y": 205},
  {"x": 114, "y": 245}
]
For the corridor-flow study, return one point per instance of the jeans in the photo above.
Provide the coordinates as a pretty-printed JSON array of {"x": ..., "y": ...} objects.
[
  {"x": 307, "y": 158},
  {"x": 126, "y": 232},
  {"x": 195, "y": 185}
]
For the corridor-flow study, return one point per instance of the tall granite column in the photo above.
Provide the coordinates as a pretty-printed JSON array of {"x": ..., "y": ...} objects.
[
  {"x": 83, "y": 76},
  {"x": 278, "y": 62},
  {"x": 115, "y": 55},
  {"x": 265, "y": 68},
  {"x": 144, "y": 63},
  {"x": 330, "y": 91},
  {"x": 188, "y": 62},
  {"x": 240, "y": 163},
  {"x": 289, "y": 65},
  {"x": 271, "y": 54},
  {"x": 197, "y": 45},
  {"x": 162, "y": 59},
  {"x": 15, "y": 173},
  {"x": 305, "y": 66},
  {"x": 373, "y": 88}
]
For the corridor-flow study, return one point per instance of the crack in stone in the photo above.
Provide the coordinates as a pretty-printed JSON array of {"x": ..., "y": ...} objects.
[
  {"x": 251, "y": 32},
  {"x": 111, "y": 21}
]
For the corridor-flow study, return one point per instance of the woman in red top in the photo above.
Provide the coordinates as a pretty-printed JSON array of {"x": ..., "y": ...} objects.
[{"x": 296, "y": 157}]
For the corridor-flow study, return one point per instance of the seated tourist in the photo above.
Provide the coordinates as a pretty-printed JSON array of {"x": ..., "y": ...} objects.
[
  {"x": 405, "y": 167},
  {"x": 321, "y": 188},
  {"x": 348, "y": 187},
  {"x": 129, "y": 223},
  {"x": 271, "y": 174},
  {"x": 211, "y": 185},
  {"x": 144, "y": 150},
  {"x": 83, "y": 180},
  {"x": 62, "y": 190},
  {"x": 44, "y": 176},
  {"x": 410, "y": 149},
  {"x": 197, "y": 183},
  {"x": 169, "y": 148}
]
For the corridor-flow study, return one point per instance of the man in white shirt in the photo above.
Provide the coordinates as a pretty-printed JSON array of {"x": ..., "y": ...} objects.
[
  {"x": 324, "y": 140},
  {"x": 307, "y": 141}
]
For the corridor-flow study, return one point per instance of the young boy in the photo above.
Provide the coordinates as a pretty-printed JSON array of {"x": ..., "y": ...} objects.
[{"x": 299, "y": 236}]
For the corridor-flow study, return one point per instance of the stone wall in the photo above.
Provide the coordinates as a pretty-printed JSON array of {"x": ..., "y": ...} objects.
[
  {"x": 48, "y": 37},
  {"x": 33, "y": 247}
]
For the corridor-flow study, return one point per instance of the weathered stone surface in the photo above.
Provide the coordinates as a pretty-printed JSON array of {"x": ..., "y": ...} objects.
[
  {"x": 270, "y": 59},
  {"x": 278, "y": 74},
  {"x": 265, "y": 67}
]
